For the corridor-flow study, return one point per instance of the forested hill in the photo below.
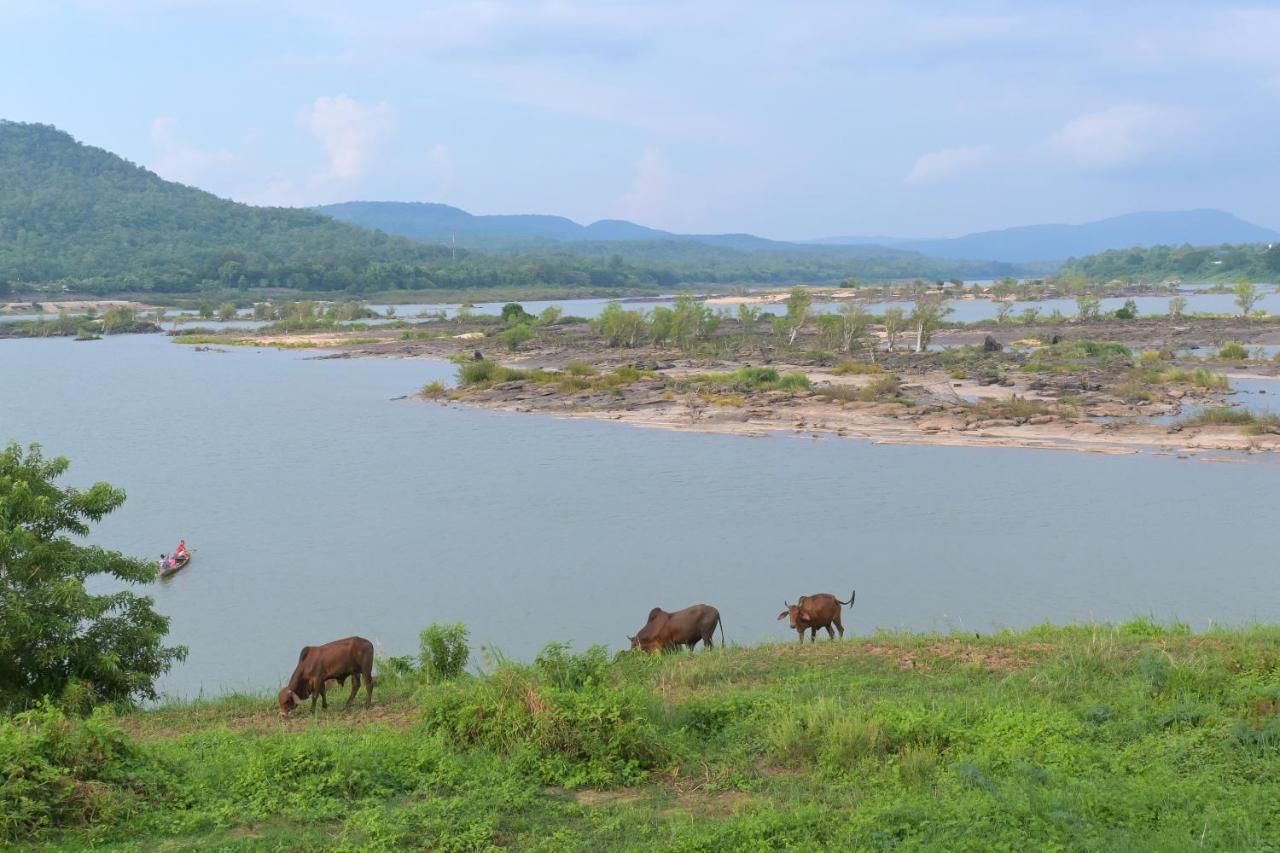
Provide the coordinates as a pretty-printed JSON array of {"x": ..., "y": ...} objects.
[
  {"x": 83, "y": 218},
  {"x": 1255, "y": 261}
]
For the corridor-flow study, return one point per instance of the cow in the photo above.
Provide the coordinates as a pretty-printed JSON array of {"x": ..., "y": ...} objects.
[
  {"x": 686, "y": 627},
  {"x": 317, "y": 664},
  {"x": 812, "y": 612}
]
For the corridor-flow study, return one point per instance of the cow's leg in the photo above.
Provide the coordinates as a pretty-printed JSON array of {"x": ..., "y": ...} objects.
[
  {"x": 709, "y": 641},
  {"x": 368, "y": 688},
  {"x": 800, "y": 631},
  {"x": 355, "y": 688},
  {"x": 324, "y": 701},
  {"x": 840, "y": 626},
  {"x": 813, "y": 634},
  {"x": 830, "y": 631}
]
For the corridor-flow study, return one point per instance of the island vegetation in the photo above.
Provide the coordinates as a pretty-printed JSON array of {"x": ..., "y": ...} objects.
[{"x": 1109, "y": 381}]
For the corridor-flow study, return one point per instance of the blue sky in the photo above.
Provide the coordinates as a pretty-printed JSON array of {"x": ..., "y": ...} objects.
[{"x": 788, "y": 119}]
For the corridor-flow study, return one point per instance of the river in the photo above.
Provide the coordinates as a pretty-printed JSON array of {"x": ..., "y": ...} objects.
[{"x": 320, "y": 507}]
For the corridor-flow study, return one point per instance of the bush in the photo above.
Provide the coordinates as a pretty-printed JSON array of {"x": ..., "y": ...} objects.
[
  {"x": 484, "y": 373},
  {"x": 883, "y": 387},
  {"x": 60, "y": 773},
  {"x": 1233, "y": 351},
  {"x": 443, "y": 651},
  {"x": 434, "y": 390},
  {"x": 513, "y": 312},
  {"x": 513, "y": 337},
  {"x": 569, "y": 671},
  {"x": 589, "y": 735}
]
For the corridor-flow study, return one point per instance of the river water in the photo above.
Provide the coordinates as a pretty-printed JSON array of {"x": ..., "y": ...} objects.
[{"x": 320, "y": 507}]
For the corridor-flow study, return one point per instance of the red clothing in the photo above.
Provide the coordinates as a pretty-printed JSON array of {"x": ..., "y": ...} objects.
[{"x": 182, "y": 549}]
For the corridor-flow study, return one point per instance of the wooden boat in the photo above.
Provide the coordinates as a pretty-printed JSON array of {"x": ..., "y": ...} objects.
[{"x": 178, "y": 566}]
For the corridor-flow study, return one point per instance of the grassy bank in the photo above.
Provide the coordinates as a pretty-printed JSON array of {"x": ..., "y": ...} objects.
[{"x": 1129, "y": 737}]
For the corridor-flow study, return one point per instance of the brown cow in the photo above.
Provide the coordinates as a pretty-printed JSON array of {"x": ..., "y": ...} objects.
[
  {"x": 686, "y": 627},
  {"x": 317, "y": 664},
  {"x": 812, "y": 612}
]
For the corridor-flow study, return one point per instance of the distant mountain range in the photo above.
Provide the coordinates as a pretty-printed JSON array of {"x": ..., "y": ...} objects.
[
  {"x": 1060, "y": 242},
  {"x": 441, "y": 223},
  {"x": 1044, "y": 244}
]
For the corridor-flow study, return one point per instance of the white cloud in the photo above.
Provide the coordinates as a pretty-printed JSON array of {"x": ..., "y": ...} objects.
[
  {"x": 348, "y": 130},
  {"x": 650, "y": 190},
  {"x": 179, "y": 160},
  {"x": 1119, "y": 136},
  {"x": 947, "y": 163}
]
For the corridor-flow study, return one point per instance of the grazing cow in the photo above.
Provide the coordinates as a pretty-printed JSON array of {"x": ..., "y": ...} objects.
[
  {"x": 317, "y": 664},
  {"x": 812, "y": 612},
  {"x": 686, "y": 627}
]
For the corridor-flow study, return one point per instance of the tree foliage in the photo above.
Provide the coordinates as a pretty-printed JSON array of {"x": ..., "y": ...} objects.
[
  {"x": 1256, "y": 262},
  {"x": 56, "y": 638}
]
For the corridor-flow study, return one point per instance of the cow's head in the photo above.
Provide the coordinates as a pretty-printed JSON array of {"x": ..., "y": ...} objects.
[
  {"x": 794, "y": 611},
  {"x": 287, "y": 700},
  {"x": 635, "y": 642}
]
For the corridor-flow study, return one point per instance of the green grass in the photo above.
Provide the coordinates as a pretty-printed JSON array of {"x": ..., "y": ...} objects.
[
  {"x": 856, "y": 368},
  {"x": 1254, "y": 423},
  {"x": 746, "y": 380},
  {"x": 1233, "y": 351},
  {"x": 1137, "y": 736},
  {"x": 1072, "y": 356},
  {"x": 485, "y": 374}
]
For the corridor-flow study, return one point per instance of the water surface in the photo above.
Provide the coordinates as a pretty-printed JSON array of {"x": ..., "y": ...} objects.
[{"x": 321, "y": 507}]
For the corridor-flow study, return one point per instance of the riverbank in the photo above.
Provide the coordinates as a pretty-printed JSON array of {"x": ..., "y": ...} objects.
[{"x": 1118, "y": 737}]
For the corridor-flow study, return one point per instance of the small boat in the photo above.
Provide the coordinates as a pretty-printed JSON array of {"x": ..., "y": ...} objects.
[{"x": 178, "y": 565}]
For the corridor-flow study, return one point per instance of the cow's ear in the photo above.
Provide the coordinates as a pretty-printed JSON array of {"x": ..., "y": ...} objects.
[
  {"x": 801, "y": 600},
  {"x": 783, "y": 614}
]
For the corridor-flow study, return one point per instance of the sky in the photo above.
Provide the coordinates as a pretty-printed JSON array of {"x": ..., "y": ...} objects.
[{"x": 789, "y": 120}]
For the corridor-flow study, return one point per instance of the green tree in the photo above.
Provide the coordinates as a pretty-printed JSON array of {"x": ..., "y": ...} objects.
[
  {"x": 747, "y": 317},
  {"x": 895, "y": 321},
  {"x": 1177, "y": 305},
  {"x": 1247, "y": 295},
  {"x": 118, "y": 318},
  {"x": 227, "y": 311},
  {"x": 927, "y": 318},
  {"x": 56, "y": 638},
  {"x": 798, "y": 303},
  {"x": 1087, "y": 306},
  {"x": 620, "y": 327}
]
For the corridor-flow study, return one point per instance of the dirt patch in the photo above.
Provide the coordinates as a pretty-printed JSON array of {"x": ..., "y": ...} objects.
[
  {"x": 709, "y": 803},
  {"x": 993, "y": 657},
  {"x": 603, "y": 798}
]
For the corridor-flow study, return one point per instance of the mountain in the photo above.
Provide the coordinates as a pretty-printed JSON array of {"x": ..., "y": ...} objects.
[
  {"x": 1059, "y": 242},
  {"x": 440, "y": 223},
  {"x": 87, "y": 220},
  {"x": 82, "y": 216}
]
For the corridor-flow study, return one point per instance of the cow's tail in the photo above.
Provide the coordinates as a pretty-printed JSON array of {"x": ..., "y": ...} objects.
[
  {"x": 723, "y": 642},
  {"x": 852, "y": 596}
]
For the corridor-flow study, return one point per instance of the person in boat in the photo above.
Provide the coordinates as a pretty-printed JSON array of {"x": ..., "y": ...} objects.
[
  {"x": 180, "y": 553},
  {"x": 165, "y": 562}
]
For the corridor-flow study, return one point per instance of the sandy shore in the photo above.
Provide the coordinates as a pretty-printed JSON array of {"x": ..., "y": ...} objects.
[
  {"x": 74, "y": 305},
  {"x": 879, "y": 425}
]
